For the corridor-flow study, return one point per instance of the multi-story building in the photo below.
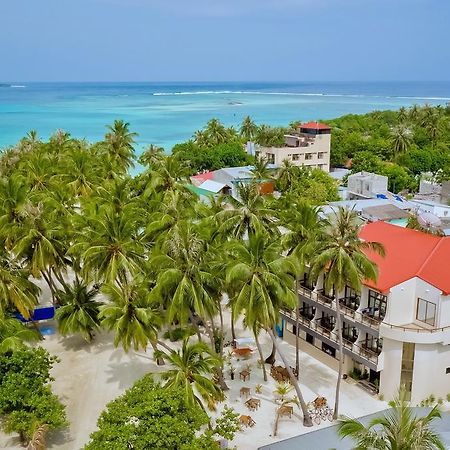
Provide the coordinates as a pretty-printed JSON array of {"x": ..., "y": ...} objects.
[
  {"x": 308, "y": 146},
  {"x": 397, "y": 329}
]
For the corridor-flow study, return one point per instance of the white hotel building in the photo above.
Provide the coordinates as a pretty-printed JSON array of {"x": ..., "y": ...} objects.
[{"x": 397, "y": 329}]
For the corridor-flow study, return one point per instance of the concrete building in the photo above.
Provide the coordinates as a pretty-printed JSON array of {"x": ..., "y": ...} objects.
[
  {"x": 363, "y": 185},
  {"x": 309, "y": 146},
  {"x": 397, "y": 329}
]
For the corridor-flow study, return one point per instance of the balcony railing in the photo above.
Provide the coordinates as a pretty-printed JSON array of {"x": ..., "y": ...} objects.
[
  {"x": 373, "y": 322},
  {"x": 324, "y": 298},
  {"x": 326, "y": 331},
  {"x": 347, "y": 343},
  {"x": 302, "y": 319},
  {"x": 367, "y": 353},
  {"x": 346, "y": 310}
]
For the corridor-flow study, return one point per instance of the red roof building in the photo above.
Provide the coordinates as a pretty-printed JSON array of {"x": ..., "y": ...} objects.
[
  {"x": 314, "y": 126},
  {"x": 409, "y": 254}
]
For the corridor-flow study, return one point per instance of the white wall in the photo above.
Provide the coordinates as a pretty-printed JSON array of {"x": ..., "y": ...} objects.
[
  {"x": 429, "y": 377},
  {"x": 390, "y": 375}
]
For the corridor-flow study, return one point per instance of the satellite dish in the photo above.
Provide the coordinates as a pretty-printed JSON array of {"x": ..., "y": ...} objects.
[{"x": 429, "y": 220}]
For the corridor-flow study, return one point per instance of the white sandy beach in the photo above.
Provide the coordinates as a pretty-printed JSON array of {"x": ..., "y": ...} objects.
[{"x": 89, "y": 376}]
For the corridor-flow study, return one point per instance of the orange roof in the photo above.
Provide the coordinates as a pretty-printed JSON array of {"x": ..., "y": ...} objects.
[
  {"x": 409, "y": 254},
  {"x": 315, "y": 126}
]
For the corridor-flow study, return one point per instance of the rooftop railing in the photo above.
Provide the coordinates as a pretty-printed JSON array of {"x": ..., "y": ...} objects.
[{"x": 416, "y": 329}]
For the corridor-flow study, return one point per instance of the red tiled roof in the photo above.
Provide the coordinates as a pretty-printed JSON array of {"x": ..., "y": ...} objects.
[
  {"x": 315, "y": 126},
  {"x": 203, "y": 176},
  {"x": 409, "y": 254}
]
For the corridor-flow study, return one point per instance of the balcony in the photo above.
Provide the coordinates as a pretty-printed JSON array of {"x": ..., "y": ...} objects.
[
  {"x": 325, "y": 328},
  {"x": 323, "y": 298},
  {"x": 302, "y": 318},
  {"x": 349, "y": 305},
  {"x": 367, "y": 352},
  {"x": 371, "y": 320}
]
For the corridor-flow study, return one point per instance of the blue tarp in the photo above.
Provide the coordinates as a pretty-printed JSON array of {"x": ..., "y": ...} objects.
[
  {"x": 43, "y": 313},
  {"x": 382, "y": 196}
]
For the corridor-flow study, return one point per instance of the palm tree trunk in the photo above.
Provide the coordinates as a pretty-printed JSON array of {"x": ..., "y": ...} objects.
[
  {"x": 159, "y": 359},
  {"x": 49, "y": 282},
  {"x": 165, "y": 346},
  {"x": 261, "y": 357},
  {"x": 297, "y": 320},
  {"x": 195, "y": 323},
  {"x": 341, "y": 358},
  {"x": 210, "y": 332},
  {"x": 233, "y": 333},
  {"x": 277, "y": 418},
  {"x": 307, "y": 422},
  {"x": 271, "y": 358}
]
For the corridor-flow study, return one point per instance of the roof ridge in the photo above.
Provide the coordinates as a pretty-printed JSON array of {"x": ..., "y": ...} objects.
[{"x": 427, "y": 259}]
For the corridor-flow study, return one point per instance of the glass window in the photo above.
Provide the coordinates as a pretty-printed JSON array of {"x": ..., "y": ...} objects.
[
  {"x": 295, "y": 157},
  {"x": 406, "y": 375},
  {"x": 320, "y": 155},
  {"x": 308, "y": 156},
  {"x": 376, "y": 305},
  {"x": 426, "y": 311}
]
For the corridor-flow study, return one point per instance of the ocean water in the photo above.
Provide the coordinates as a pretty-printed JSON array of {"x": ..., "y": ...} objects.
[{"x": 167, "y": 113}]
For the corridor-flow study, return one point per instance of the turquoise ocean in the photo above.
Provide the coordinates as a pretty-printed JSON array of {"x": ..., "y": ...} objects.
[{"x": 167, "y": 113}]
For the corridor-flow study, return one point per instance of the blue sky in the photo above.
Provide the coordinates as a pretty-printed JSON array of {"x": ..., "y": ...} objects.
[{"x": 267, "y": 40}]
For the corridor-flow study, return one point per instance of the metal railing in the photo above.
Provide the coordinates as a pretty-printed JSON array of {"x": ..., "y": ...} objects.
[
  {"x": 367, "y": 353},
  {"x": 371, "y": 321},
  {"x": 417, "y": 330},
  {"x": 347, "y": 311}
]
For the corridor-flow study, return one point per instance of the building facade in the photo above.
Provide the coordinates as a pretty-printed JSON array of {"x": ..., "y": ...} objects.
[
  {"x": 397, "y": 330},
  {"x": 308, "y": 146}
]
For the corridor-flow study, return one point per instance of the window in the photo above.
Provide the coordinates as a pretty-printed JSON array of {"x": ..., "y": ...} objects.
[
  {"x": 309, "y": 338},
  {"x": 349, "y": 332},
  {"x": 406, "y": 375},
  {"x": 307, "y": 311},
  {"x": 320, "y": 155},
  {"x": 426, "y": 311},
  {"x": 328, "y": 349},
  {"x": 447, "y": 370},
  {"x": 295, "y": 157},
  {"x": 327, "y": 321},
  {"x": 376, "y": 305},
  {"x": 373, "y": 343},
  {"x": 308, "y": 156}
]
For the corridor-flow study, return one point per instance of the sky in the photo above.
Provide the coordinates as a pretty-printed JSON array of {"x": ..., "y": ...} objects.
[{"x": 224, "y": 40}]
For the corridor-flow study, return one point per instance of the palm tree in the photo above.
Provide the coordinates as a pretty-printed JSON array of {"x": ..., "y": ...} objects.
[
  {"x": 248, "y": 129},
  {"x": 305, "y": 228},
  {"x": 109, "y": 248},
  {"x": 247, "y": 215},
  {"x": 402, "y": 115},
  {"x": 13, "y": 198},
  {"x": 401, "y": 138},
  {"x": 341, "y": 257},
  {"x": 14, "y": 334},
  {"x": 260, "y": 170},
  {"x": 263, "y": 284},
  {"x": 397, "y": 429},
  {"x": 191, "y": 365},
  {"x": 131, "y": 315},
  {"x": 287, "y": 175},
  {"x": 216, "y": 133},
  {"x": 79, "y": 172},
  {"x": 184, "y": 282},
  {"x": 41, "y": 245},
  {"x": 78, "y": 311},
  {"x": 151, "y": 155},
  {"x": 120, "y": 142}
]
